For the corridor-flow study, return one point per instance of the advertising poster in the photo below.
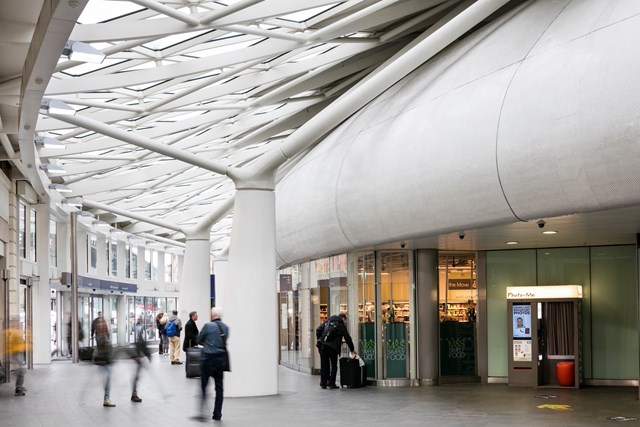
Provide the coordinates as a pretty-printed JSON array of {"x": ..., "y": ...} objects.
[
  {"x": 521, "y": 320},
  {"x": 522, "y": 350}
]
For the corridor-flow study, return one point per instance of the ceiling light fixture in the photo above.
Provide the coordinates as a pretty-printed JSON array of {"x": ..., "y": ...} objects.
[
  {"x": 550, "y": 232},
  {"x": 61, "y": 188},
  {"x": 46, "y": 142},
  {"x": 52, "y": 169},
  {"x": 83, "y": 52},
  {"x": 55, "y": 106},
  {"x": 512, "y": 242}
]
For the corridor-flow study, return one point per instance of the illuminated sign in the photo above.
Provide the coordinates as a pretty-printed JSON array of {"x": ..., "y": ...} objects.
[{"x": 544, "y": 292}]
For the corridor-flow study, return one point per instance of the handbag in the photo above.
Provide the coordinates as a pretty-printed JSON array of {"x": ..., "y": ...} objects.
[{"x": 227, "y": 366}]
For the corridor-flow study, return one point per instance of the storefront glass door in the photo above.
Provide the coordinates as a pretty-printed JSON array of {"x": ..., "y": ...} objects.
[
  {"x": 458, "y": 297},
  {"x": 395, "y": 304}
]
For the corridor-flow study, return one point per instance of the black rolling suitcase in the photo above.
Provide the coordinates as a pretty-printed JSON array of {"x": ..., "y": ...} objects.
[
  {"x": 352, "y": 375},
  {"x": 192, "y": 367},
  {"x": 85, "y": 353}
]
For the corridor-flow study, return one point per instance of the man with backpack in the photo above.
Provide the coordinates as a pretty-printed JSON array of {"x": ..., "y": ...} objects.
[
  {"x": 173, "y": 328},
  {"x": 329, "y": 335}
]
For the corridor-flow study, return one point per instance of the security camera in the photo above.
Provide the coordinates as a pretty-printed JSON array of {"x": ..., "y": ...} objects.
[
  {"x": 403, "y": 244},
  {"x": 541, "y": 223},
  {"x": 461, "y": 235}
]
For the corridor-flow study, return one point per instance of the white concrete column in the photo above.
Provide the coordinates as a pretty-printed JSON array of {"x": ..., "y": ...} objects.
[
  {"x": 250, "y": 299},
  {"x": 194, "y": 281},
  {"x": 220, "y": 269},
  {"x": 41, "y": 291}
]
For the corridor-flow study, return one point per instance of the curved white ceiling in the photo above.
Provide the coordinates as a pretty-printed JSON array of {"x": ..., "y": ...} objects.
[{"x": 523, "y": 119}]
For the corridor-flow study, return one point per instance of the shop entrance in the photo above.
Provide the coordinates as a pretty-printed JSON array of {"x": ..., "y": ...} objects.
[{"x": 458, "y": 297}]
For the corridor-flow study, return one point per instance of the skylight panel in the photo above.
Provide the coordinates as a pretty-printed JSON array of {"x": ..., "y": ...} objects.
[
  {"x": 232, "y": 47},
  {"x": 172, "y": 40},
  {"x": 304, "y": 15},
  {"x": 105, "y": 10},
  {"x": 87, "y": 67}
]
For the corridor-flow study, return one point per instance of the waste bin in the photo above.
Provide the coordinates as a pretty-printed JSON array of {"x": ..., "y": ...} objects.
[{"x": 565, "y": 373}]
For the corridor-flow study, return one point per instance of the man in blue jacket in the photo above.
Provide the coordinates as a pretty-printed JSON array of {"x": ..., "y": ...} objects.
[
  {"x": 215, "y": 359},
  {"x": 330, "y": 335}
]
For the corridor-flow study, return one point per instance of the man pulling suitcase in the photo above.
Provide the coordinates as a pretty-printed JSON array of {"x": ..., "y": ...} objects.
[{"x": 329, "y": 335}]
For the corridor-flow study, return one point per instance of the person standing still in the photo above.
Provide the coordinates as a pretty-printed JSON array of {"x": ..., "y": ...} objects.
[
  {"x": 330, "y": 348},
  {"x": 162, "y": 334},
  {"x": 190, "y": 332},
  {"x": 174, "y": 341},
  {"x": 215, "y": 360}
]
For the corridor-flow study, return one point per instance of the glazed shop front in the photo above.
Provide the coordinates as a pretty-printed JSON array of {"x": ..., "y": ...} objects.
[{"x": 377, "y": 291}]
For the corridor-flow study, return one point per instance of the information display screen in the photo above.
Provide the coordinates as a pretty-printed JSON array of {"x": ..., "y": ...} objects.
[{"x": 521, "y": 318}]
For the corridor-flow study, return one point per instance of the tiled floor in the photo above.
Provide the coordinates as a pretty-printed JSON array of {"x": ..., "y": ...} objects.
[{"x": 63, "y": 394}]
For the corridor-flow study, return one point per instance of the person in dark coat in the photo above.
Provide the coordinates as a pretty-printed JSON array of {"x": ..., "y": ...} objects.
[
  {"x": 329, "y": 347},
  {"x": 215, "y": 361},
  {"x": 190, "y": 332}
]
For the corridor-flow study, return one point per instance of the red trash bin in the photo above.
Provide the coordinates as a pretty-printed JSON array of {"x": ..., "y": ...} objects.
[{"x": 565, "y": 372}]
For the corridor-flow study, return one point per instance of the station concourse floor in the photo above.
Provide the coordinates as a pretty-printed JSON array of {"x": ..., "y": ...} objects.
[{"x": 64, "y": 394}]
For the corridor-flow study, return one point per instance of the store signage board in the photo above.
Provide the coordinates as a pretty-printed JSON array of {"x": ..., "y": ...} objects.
[{"x": 544, "y": 292}]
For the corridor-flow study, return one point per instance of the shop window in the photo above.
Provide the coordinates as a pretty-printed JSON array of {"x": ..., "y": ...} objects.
[
  {"x": 53, "y": 243},
  {"x": 113, "y": 258},
  {"x": 134, "y": 262},
  {"x": 33, "y": 245},
  {"x": 92, "y": 254},
  {"x": 458, "y": 296},
  {"x": 127, "y": 261},
  {"x": 22, "y": 230}
]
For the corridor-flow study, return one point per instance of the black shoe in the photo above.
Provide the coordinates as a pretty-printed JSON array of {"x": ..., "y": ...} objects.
[
  {"x": 20, "y": 392},
  {"x": 135, "y": 398},
  {"x": 333, "y": 387},
  {"x": 324, "y": 387},
  {"x": 178, "y": 363},
  {"x": 216, "y": 418}
]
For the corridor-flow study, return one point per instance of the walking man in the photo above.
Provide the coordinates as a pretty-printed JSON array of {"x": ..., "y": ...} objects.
[{"x": 215, "y": 359}]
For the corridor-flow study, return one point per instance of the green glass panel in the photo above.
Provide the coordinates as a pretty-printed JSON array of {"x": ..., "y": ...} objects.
[
  {"x": 457, "y": 355},
  {"x": 396, "y": 349},
  {"x": 504, "y": 268},
  {"x": 614, "y": 301},
  {"x": 367, "y": 346}
]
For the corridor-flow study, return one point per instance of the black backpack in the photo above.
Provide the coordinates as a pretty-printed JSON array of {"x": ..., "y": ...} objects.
[{"x": 330, "y": 331}]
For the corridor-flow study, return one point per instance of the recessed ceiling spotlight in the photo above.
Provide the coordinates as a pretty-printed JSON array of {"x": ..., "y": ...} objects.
[
  {"x": 512, "y": 242},
  {"x": 550, "y": 232}
]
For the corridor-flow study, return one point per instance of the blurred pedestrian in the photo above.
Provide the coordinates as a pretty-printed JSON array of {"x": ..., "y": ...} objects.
[
  {"x": 190, "y": 332},
  {"x": 173, "y": 332},
  {"x": 215, "y": 360},
  {"x": 93, "y": 326},
  {"x": 140, "y": 351},
  {"x": 16, "y": 349},
  {"x": 103, "y": 357},
  {"x": 69, "y": 340}
]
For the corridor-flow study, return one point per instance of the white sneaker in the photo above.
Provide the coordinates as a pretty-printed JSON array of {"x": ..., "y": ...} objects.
[{"x": 108, "y": 404}]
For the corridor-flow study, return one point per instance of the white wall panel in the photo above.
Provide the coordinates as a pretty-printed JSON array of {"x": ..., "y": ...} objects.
[
  {"x": 569, "y": 135},
  {"x": 556, "y": 130}
]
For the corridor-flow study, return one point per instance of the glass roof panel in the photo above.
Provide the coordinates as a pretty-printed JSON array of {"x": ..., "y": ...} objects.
[{"x": 105, "y": 10}]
